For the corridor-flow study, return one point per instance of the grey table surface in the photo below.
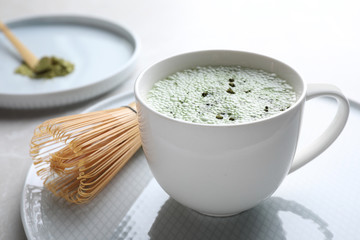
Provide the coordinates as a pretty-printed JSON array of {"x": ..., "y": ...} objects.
[{"x": 320, "y": 39}]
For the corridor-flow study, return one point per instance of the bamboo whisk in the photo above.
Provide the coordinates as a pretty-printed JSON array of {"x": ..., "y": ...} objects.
[{"x": 76, "y": 156}]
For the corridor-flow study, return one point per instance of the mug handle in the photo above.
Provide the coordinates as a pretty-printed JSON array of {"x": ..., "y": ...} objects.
[{"x": 319, "y": 145}]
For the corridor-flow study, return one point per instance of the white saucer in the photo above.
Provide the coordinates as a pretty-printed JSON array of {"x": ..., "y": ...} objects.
[
  {"x": 103, "y": 52},
  {"x": 318, "y": 201}
]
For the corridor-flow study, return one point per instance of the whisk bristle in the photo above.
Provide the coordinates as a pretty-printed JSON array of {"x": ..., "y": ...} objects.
[{"x": 76, "y": 156}]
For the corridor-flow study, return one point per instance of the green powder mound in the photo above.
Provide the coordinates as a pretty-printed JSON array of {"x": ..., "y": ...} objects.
[{"x": 48, "y": 67}]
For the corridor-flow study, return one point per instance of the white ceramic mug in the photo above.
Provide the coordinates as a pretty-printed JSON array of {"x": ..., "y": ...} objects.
[{"x": 222, "y": 170}]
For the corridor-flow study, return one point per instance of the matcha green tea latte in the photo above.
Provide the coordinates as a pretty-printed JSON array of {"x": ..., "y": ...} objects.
[{"x": 221, "y": 95}]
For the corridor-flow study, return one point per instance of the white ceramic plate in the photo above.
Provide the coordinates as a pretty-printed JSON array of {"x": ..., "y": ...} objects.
[
  {"x": 103, "y": 52},
  {"x": 319, "y": 201}
]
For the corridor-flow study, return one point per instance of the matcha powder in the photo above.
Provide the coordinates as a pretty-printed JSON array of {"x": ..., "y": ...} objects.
[{"x": 48, "y": 67}]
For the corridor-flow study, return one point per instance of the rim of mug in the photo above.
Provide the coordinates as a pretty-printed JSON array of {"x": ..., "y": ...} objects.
[{"x": 139, "y": 98}]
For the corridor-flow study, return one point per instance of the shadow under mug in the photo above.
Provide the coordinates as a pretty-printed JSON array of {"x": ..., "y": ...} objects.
[{"x": 222, "y": 170}]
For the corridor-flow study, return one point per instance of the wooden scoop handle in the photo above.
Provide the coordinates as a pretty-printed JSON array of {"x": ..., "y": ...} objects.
[{"x": 25, "y": 53}]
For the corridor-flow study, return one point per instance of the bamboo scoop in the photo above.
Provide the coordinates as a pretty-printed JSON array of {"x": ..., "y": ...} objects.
[
  {"x": 30, "y": 59},
  {"x": 76, "y": 156}
]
